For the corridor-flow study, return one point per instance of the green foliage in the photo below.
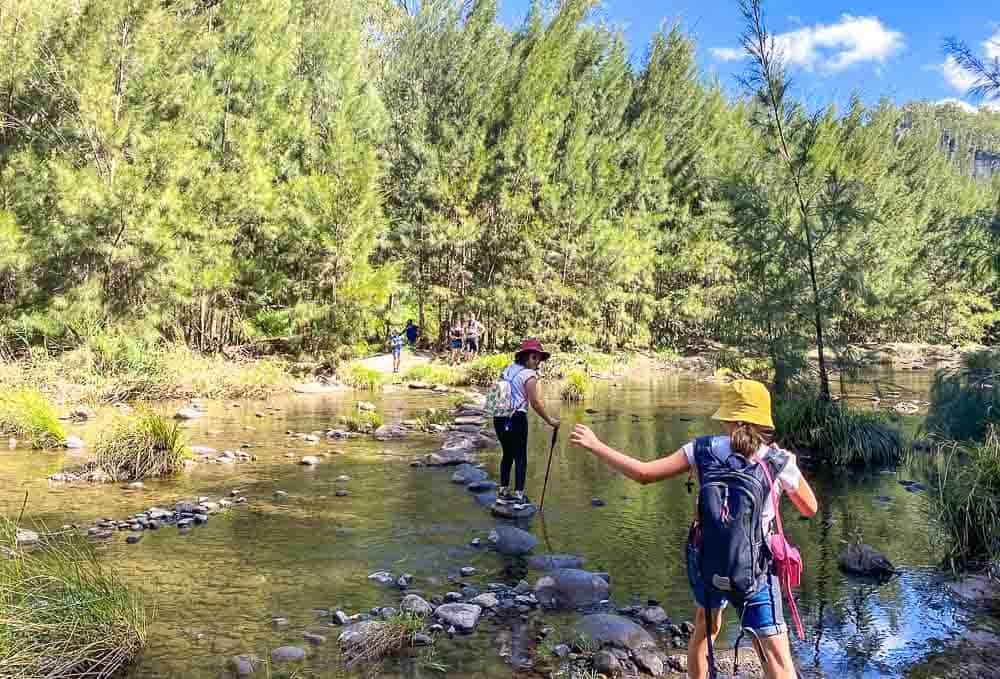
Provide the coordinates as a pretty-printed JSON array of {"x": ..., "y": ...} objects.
[
  {"x": 435, "y": 416},
  {"x": 363, "y": 421},
  {"x": 361, "y": 377},
  {"x": 27, "y": 413},
  {"x": 60, "y": 608},
  {"x": 485, "y": 370},
  {"x": 142, "y": 446},
  {"x": 965, "y": 500},
  {"x": 835, "y": 434},
  {"x": 434, "y": 374},
  {"x": 577, "y": 386},
  {"x": 965, "y": 403}
]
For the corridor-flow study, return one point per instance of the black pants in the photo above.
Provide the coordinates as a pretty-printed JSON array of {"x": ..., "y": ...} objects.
[{"x": 513, "y": 435}]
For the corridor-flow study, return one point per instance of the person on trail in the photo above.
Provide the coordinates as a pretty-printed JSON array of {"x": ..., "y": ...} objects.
[
  {"x": 412, "y": 332},
  {"x": 456, "y": 336},
  {"x": 473, "y": 332},
  {"x": 396, "y": 342},
  {"x": 512, "y": 431},
  {"x": 730, "y": 559}
]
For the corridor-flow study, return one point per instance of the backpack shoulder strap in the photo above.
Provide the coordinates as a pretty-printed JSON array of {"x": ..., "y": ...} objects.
[{"x": 708, "y": 450}]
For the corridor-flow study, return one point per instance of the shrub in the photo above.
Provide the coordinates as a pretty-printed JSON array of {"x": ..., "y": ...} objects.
[
  {"x": 141, "y": 447},
  {"x": 434, "y": 374},
  {"x": 361, "y": 377},
  {"x": 117, "y": 354},
  {"x": 434, "y": 416},
  {"x": 577, "y": 386},
  {"x": 965, "y": 499},
  {"x": 363, "y": 421},
  {"x": 836, "y": 433},
  {"x": 485, "y": 370},
  {"x": 27, "y": 413},
  {"x": 63, "y": 614}
]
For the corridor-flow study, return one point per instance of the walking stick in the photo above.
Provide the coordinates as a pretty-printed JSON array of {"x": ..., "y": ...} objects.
[{"x": 548, "y": 467}]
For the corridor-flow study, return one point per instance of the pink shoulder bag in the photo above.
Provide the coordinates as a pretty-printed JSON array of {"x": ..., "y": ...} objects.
[{"x": 787, "y": 560}]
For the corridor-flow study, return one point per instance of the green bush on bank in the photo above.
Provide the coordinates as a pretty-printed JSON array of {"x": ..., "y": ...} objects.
[
  {"x": 27, "y": 413},
  {"x": 144, "y": 446},
  {"x": 64, "y": 614},
  {"x": 964, "y": 498},
  {"x": 836, "y": 433},
  {"x": 485, "y": 370},
  {"x": 966, "y": 402},
  {"x": 361, "y": 377},
  {"x": 576, "y": 387},
  {"x": 363, "y": 421},
  {"x": 435, "y": 374}
]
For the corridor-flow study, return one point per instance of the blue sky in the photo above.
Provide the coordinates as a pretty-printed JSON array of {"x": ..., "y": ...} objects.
[{"x": 874, "y": 47}]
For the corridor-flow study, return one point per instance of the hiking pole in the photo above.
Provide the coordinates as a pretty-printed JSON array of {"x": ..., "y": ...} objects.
[{"x": 548, "y": 467}]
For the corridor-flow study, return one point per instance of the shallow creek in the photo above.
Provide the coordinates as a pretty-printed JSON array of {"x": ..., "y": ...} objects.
[{"x": 217, "y": 589}]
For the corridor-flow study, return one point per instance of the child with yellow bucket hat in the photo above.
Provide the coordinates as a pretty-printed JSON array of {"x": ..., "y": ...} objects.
[{"x": 733, "y": 554}]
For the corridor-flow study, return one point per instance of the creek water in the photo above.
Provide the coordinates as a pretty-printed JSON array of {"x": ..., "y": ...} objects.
[{"x": 217, "y": 589}]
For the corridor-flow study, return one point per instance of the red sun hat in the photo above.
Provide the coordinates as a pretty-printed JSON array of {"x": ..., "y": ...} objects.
[{"x": 533, "y": 345}]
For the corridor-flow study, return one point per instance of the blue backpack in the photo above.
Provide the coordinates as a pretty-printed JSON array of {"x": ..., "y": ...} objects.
[{"x": 733, "y": 555}]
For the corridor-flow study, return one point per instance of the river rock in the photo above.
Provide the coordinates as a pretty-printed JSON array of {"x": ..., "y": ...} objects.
[
  {"x": 415, "y": 605},
  {"x": 134, "y": 538},
  {"x": 419, "y": 385},
  {"x": 280, "y": 495},
  {"x": 288, "y": 654},
  {"x": 74, "y": 443},
  {"x": 486, "y": 499},
  {"x": 309, "y": 461},
  {"x": 26, "y": 538},
  {"x": 508, "y": 512},
  {"x": 189, "y": 414},
  {"x": 607, "y": 664},
  {"x": 470, "y": 420},
  {"x": 512, "y": 541},
  {"x": 552, "y": 562},
  {"x": 481, "y": 486},
  {"x": 366, "y": 407},
  {"x": 862, "y": 559},
  {"x": 463, "y": 617},
  {"x": 382, "y": 578},
  {"x": 653, "y": 615},
  {"x": 487, "y": 600},
  {"x": 649, "y": 661},
  {"x": 571, "y": 588},
  {"x": 243, "y": 665},
  {"x": 359, "y": 633},
  {"x": 614, "y": 630},
  {"x": 185, "y": 507},
  {"x": 448, "y": 458},
  {"x": 467, "y": 473},
  {"x": 390, "y": 432}
]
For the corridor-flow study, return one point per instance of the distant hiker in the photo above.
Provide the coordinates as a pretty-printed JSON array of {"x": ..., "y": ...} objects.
[
  {"x": 412, "y": 332},
  {"x": 456, "y": 337},
  {"x": 741, "y": 477},
  {"x": 396, "y": 342},
  {"x": 473, "y": 332},
  {"x": 507, "y": 401}
]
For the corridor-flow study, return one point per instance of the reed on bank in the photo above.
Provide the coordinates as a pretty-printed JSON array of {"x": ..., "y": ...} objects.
[{"x": 27, "y": 413}]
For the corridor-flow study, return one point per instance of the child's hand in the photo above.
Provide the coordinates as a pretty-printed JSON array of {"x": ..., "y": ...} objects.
[{"x": 584, "y": 437}]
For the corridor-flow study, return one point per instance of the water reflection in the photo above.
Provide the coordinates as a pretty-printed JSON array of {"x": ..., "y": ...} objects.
[{"x": 218, "y": 588}]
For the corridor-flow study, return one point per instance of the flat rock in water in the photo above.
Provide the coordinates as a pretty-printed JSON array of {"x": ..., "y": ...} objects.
[
  {"x": 512, "y": 541},
  {"x": 383, "y": 578},
  {"x": 487, "y": 499},
  {"x": 26, "y": 538},
  {"x": 416, "y": 605},
  {"x": 568, "y": 588},
  {"x": 74, "y": 443},
  {"x": 314, "y": 388},
  {"x": 448, "y": 458},
  {"x": 473, "y": 420},
  {"x": 463, "y": 617},
  {"x": 508, "y": 511},
  {"x": 467, "y": 473},
  {"x": 552, "y": 562},
  {"x": 862, "y": 559},
  {"x": 203, "y": 450},
  {"x": 189, "y": 414},
  {"x": 366, "y": 406},
  {"x": 487, "y": 600},
  {"x": 309, "y": 461},
  {"x": 419, "y": 385},
  {"x": 616, "y": 631},
  {"x": 390, "y": 432},
  {"x": 481, "y": 486},
  {"x": 288, "y": 654}
]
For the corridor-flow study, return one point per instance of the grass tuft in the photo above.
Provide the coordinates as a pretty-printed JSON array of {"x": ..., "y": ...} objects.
[
  {"x": 363, "y": 421},
  {"x": 27, "y": 413},
  {"x": 64, "y": 614},
  {"x": 965, "y": 403},
  {"x": 435, "y": 374},
  {"x": 383, "y": 639},
  {"x": 577, "y": 386},
  {"x": 361, "y": 377},
  {"x": 835, "y": 433},
  {"x": 485, "y": 370},
  {"x": 144, "y": 446}
]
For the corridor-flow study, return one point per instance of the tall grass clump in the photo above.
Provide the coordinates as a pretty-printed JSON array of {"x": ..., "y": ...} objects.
[
  {"x": 361, "y": 377},
  {"x": 576, "y": 387},
  {"x": 485, "y": 370},
  {"x": 144, "y": 446},
  {"x": 380, "y": 640},
  {"x": 27, "y": 413},
  {"x": 363, "y": 421},
  {"x": 63, "y": 614},
  {"x": 966, "y": 402},
  {"x": 434, "y": 374},
  {"x": 835, "y": 433},
  {"x": 965, "y": 500}
]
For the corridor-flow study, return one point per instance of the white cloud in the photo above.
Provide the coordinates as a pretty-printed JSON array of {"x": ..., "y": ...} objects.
[
  {"x": 727, "y": 53},
  {"x": 832, "y": 47},
  {"x": 956, "y": 76},
  {"x": 992, "y": 46},
  {"x": 965, "y": 106}
]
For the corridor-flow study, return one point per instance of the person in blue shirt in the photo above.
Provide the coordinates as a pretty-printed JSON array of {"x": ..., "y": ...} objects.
[
  {"x": 412, "y": 332},
  {"x": 396, "y": 342}
]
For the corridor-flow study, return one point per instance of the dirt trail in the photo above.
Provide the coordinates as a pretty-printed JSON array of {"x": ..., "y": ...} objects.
[{"x": 383, "y": 362}]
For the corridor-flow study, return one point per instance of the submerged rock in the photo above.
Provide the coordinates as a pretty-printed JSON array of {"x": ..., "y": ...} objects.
[
  {"x": 416, "y": 605},
  {"x": 288, "y": 654},
  {"x": 309, "y": 461},
  {"x": 616, "y": 631},
  {"x": 390, "y": 432},
  {"x": 74, "y": 443},
  {"x": 467, "y": 473},
  {"x": 571, "y": 588},
  {"x": 189, "y": 414},
  {"x": 382, "y": 577},
  {"x": 551, "y": 562},
  {"x": 463, "y": 617},
  {"x": 512, "y": 541},
  {"x": 243, "y": 665},
  {"x": 26, "y": 538},
  {"x": 862, "y": 559},
  {"x": 481, "y": 486}
]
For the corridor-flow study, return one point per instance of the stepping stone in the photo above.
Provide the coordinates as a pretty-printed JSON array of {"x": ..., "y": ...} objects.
[{"x": 508, "y": 511}]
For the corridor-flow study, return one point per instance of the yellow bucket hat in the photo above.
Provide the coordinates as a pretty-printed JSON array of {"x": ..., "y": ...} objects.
[{"x": 745, "y": 401}]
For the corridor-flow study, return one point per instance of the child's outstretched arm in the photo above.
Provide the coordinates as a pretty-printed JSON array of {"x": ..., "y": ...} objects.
[{"x": 673, "y": 465}]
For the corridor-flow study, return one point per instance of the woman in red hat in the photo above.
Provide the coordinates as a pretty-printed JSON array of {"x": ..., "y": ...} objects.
[{"x": 513, "y": 431}]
